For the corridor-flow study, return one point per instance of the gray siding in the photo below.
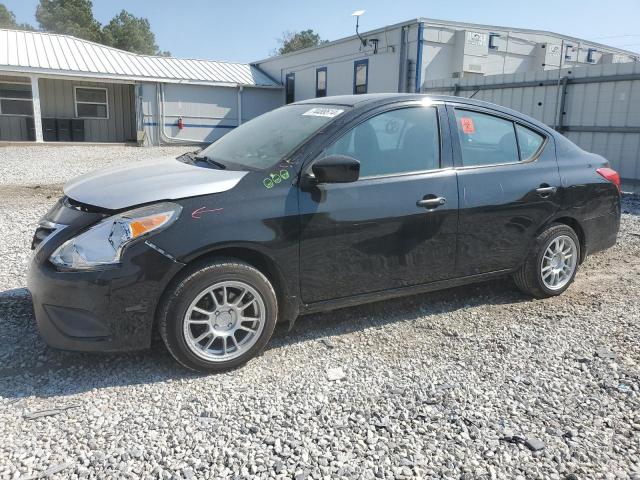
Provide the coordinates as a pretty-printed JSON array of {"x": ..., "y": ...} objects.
[
  {"x": 13, "y": 127},
  {"x": 208, "y": 112},
  {"x": 57, "y": 101}
]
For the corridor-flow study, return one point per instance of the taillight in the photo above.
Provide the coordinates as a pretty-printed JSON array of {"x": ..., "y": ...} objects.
[{"x": 611, "y": 175}]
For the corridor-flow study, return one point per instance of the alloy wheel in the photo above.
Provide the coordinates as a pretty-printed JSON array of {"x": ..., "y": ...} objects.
[
  {"x": 559, "y": 262},
  {"x": 224, "y": 321}
]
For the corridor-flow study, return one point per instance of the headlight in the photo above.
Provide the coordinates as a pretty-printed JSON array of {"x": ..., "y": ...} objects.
[{"x": 103, "y": 243}]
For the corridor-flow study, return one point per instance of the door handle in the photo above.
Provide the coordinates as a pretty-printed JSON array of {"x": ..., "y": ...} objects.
[
  {"x": 433, "y": 202},
  {"x": 545, "y": 191}
]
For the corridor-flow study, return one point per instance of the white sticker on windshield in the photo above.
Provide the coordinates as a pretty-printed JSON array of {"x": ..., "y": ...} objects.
[{"x": 323, "y": 112}]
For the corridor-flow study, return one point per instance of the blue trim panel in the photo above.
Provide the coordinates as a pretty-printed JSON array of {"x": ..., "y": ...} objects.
[
  {"x": 190, "y": 125},
  {"x": 357, "y": 63},
  {"x": 419, "y": 57}
]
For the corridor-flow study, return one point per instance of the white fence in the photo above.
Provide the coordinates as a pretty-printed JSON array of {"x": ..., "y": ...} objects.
[{"x": 597, "y": 107}]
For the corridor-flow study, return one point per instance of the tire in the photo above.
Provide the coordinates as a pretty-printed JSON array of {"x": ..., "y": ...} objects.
[
  {"x": 529, "y": 278},
  {"x": 202, "y": 300}
]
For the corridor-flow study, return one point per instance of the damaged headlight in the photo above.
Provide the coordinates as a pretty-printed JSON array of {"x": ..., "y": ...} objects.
[{"x": 103, "y": 243}]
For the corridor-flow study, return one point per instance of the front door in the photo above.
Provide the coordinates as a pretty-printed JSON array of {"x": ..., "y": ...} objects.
[
  {"x": 396, "y": 226},
  {"x": 507, "y": 180}
]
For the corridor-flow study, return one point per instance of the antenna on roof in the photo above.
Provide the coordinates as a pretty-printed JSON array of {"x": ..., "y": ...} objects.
[{"x": 358, "y": 14}]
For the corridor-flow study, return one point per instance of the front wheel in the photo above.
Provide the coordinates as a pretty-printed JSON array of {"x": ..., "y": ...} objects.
[
  {"x": 552, "y": 263},
  {"x": 218, "y": 316}
]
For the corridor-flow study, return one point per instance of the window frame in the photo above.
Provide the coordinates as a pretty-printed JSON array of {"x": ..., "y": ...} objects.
[
  {"x": 492, "y": 36},
  {"x": 76, "y": 102},
  {"x": 326, "y": 81},
  {"x": 291, "y": 76},
  {"x": 445, "y": 160},
  {"x": 30, "y": 100},
  {"x": 455, "y": 138},
  {"x": 590, "y": 53},
  {"x": 568, "y": 52},
  {"x": 356, "y": 64}
]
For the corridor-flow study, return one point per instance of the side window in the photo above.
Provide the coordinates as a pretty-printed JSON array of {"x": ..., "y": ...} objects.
[
  {"x": 321, "y": 82},
  {"x": 485, "y": 139},
  {"x": 529, "y": 142},
  {"x": 399, "y": 141},
  {"x": 360, "y": 76},
  {"x": 290, "y": 88}
]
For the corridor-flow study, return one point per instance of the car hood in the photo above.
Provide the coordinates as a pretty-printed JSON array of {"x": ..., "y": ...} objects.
[{"x": 148, "y": 181}]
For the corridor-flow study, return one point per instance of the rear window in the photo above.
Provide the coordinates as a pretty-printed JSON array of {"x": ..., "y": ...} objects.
[{"x": 529, "y": 142}]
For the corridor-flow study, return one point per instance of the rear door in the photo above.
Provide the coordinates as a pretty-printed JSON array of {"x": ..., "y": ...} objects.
[
  {"x": 394, "y": 227},
  {"x": 507, "y": 180}
]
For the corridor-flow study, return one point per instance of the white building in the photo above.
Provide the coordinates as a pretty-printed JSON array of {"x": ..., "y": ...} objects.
[
  {"x": 401, "y": 57},
  {"x": 57, "y": 88}
]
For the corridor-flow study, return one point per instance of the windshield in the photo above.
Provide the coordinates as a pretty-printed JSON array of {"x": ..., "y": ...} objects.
[{"x": 266, "y": 140}]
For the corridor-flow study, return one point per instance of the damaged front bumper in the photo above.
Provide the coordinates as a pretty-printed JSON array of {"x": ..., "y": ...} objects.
[{"x": 111, "y": 309}]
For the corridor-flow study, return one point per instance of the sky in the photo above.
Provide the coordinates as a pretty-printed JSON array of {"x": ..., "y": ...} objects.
[{"x": 247, "y": 30}]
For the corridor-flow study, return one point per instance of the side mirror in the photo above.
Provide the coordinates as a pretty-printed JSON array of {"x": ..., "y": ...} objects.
[{"x": 336, "y": 169}]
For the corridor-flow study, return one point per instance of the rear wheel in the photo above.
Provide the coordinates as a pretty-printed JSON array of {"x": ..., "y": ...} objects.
[
  {"x": 218, "y": 316},
  {"x": 552, "y": 263}
]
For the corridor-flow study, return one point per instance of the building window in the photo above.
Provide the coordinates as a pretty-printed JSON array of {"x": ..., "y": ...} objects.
[
  {"x": 360, "y": 76},
  {"x": 16, "y": 99},
  {"x": 321, "y": 82},
  {"x": 91, "y": 102},
  {"x": 567, "y": 52},
  {"x": 590, "y": 57},
  {"x": 493, "y": 43},
  {"x": 290, "y": 88}
]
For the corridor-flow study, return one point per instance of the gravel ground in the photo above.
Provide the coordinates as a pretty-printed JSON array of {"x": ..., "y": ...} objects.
[{"x": 475, "y": 382}]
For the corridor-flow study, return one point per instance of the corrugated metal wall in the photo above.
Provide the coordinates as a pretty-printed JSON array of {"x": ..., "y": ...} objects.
[
  {"x": 14, "y": 127},
  {"x": 57, "y": 101},
  {"x": 208, "y": 112},
  {"x": 600, "y": 110}
]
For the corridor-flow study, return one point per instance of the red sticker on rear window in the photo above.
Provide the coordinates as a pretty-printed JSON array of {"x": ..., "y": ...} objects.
[{"x": 467, "y": 125}]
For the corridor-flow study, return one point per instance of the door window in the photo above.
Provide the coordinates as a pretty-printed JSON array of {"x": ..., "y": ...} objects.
[
  {"x": 529, "y": 142},
  {"x": 399, "y": 141},
  {"x": 485, "y": 139}
]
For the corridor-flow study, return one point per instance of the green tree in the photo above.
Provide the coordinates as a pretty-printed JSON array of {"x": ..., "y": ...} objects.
[
  {"x": 292, "y": 41},
  {"x": 128, "y": 32},
  {"x": 8, "y": 20},
  {"x": 69, "y": 17}
]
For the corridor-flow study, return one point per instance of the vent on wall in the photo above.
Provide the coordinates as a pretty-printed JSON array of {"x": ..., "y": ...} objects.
[{"x": 455, "y": 75}]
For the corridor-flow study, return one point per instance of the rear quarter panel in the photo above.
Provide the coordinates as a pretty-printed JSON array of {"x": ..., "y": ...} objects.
[{"x": 587, "y": 197}]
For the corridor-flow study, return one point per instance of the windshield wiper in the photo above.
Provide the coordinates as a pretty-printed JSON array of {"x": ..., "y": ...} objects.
[{"x": 211, "y": 161}]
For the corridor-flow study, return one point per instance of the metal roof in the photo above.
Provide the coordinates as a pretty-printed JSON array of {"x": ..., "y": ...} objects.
[{"x": 48, "y": 53}]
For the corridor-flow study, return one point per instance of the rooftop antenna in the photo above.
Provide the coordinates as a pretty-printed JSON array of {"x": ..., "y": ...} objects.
[{"x": 358, "y": 14}]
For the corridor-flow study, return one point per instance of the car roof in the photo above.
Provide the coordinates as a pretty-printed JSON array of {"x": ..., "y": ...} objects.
[{"x": 378, "y": 99}]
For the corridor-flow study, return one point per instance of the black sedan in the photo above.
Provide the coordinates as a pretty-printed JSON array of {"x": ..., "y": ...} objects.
[{"x": 314, "y": 206}]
